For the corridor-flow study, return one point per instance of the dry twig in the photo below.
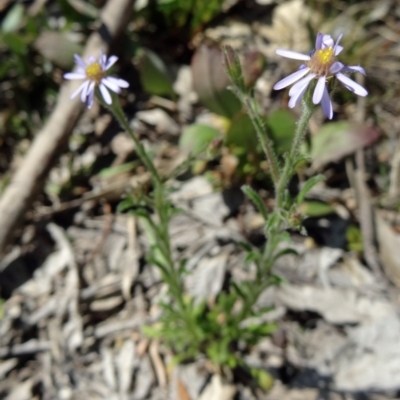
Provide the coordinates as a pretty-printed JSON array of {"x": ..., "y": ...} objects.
[{"x": 364, "y": 201}]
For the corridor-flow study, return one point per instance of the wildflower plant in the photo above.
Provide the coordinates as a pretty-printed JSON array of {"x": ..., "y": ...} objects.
[
  {"x": 216, "y": 331},
  {"x": 312, "y": 82}
]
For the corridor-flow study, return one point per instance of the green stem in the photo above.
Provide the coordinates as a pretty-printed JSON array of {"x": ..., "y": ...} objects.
[
  {"x": 263, "y": 138},
  {"x": 118, "y": 113},
  {"x": 291, "y": 159},
  {"x": 261, "y": 130}
]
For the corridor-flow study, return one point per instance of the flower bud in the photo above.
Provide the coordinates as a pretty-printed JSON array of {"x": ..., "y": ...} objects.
[{"x": 233, "y": 67}]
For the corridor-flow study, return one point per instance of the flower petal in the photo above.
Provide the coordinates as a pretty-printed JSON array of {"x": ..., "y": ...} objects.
[
  {"x": 119, "y": 82},
  {"x": 74, "y": 75},
  {"x": 111, "y": 61},
  {"x": 319, "y": 90},
  {"x": 90, "y": 97},
  {"x": 111, "y": 85},
  {"x": 327, "y": 41},
  {"x": 80, "y": 88},
  {"x": 292, "y": 54},
  {"x": 103, "y": 61},
  {"x": 337, "y": 44},
  {"x": 291, "y": 79},
  {"x": 336, "y": 67},
  {"x": 354, "y": 68},
  {"x": 298, "y": 85},
  {"x": 318, "y": 41},
  {"x": 298, "y": 94},
  {"x": 326, "y": 104},
  {"x": 351, "y": 85},
  {"x": 106, "y": 95},
  {"x": 85, "y": 91},
  {"x": 79, "y": 61},
  {"x": 90, "y": 89},
  {"x": 338, "y": 50}
]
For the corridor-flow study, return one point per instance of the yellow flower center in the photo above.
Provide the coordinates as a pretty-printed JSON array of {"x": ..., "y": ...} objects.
[
  {"x": 94, "y": 72},
  {"x": 321, "y": 61},
  {"x": 324, "y": 55}
]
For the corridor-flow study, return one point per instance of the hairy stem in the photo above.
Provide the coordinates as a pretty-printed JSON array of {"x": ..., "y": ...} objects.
[
  {"x": 292, "y": 158},
  {"x": 263, "y": 138},
  {"x": 118, "y": 113},
  {"x": 261, "y": 130}
]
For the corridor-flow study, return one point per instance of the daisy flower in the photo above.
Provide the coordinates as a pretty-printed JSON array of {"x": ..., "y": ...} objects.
[
  {"x": 94, "y": 74},
  {"x": 321, "y": 64}
]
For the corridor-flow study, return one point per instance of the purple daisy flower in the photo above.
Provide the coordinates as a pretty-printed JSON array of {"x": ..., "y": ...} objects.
[
  {"x": 94, "y": 72},
  {"x": 321, "y": 65}
]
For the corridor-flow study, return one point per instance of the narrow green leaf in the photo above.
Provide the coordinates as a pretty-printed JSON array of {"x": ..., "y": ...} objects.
[
  {"x": 308, "y": 186},
  {"x": 239, "y": 290},
  {"x": 125, "y": 205},
  {"x": 252, "y": 256},
  {"x": 256, "y": 199},
  {"x": 276, "y": 280},
  {"x": 245, "y": 246},
  {"x": 116, "y": 170},
  {"x": 316, "y": 208},
  {"x": 284, "y": 252},
  {"x": 157, "y": 263}
]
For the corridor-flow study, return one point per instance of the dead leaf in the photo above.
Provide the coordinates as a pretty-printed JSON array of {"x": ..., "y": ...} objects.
[
  {"x": 158, "y": 118},
  {"x": 208, "y": 278},
  {"x": 370, "y": 359},
  {"x": 125, "y": 362},
  {"x": 210, "y": 81},
  {"x": 57, "y": 48},
  {"x": 182, "y": 391},
  {"x": 338, "y": 306},
  {"x": 336, "y": 140},
  {"x": 389, "y": 244}
]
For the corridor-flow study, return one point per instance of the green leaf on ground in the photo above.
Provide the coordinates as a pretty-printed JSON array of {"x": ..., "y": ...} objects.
[
  {"x": 116, "y": 170},
  {"x": 15, "y": 43},
  {"x": 13, "y": 19},
  {"x": 241, "y": 133},
  {"x": 281, "y": 124},
  {"x": 154, "y": 75},
  {"x": 196, "y": 138}
]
